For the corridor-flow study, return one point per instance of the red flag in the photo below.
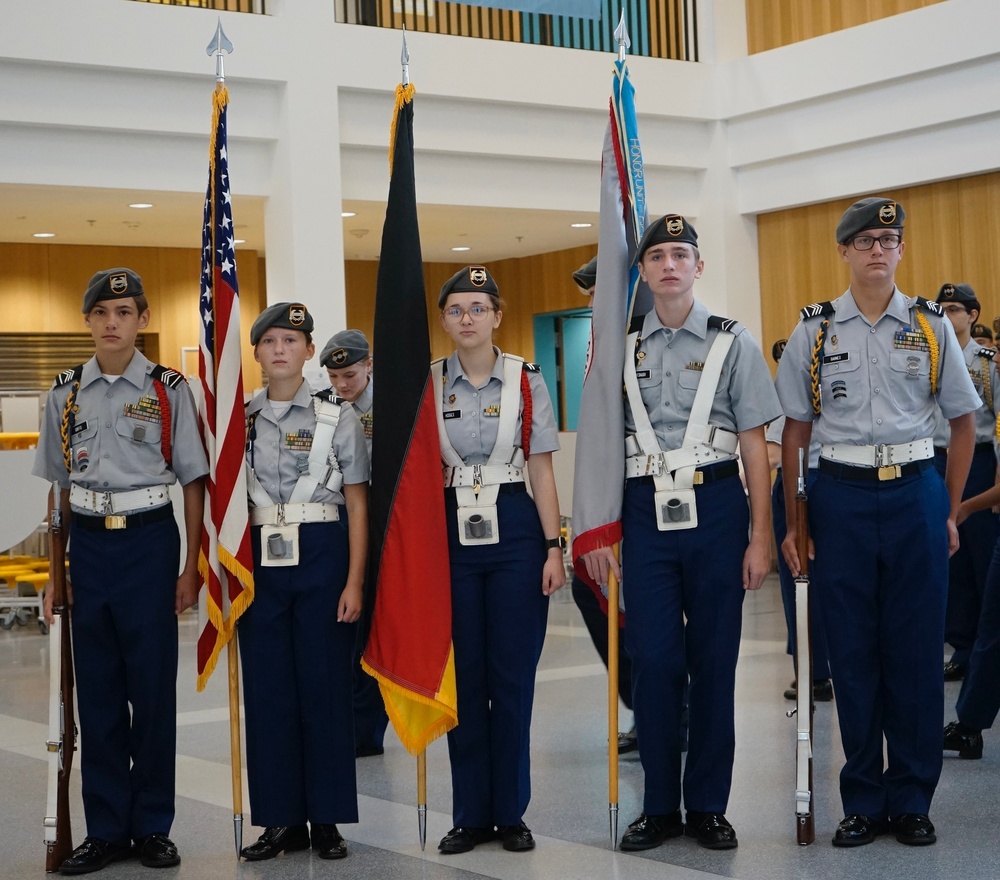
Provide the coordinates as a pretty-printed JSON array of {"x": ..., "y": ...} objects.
[
  {"x": 225, "y": 561},
  {"x": 409, "y": 649}
]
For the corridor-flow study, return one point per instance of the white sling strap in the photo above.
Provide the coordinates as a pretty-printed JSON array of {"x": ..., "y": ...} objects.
[{"x": 320, "y": 470}]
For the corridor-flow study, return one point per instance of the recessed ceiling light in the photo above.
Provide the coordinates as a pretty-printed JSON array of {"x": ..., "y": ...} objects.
[
  {"x": 348, "y": 214},
  {"x": 141, "y": 205},
  {"x": 460, "y": 249},
  {"x": 43, "y": 235},
  {"x": 580, "y": 225}
]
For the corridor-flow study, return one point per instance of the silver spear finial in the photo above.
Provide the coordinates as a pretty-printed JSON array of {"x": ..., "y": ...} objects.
[
  {"x": 621, "y": 36},
  {"x": 220, "y": 44}
]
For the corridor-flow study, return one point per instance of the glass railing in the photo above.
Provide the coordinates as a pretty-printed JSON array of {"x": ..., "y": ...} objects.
[{"x": 658, "y": 28}]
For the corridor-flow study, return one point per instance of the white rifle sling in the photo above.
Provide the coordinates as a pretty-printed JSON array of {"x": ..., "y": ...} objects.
[
  {"x": 321, "y": 472},
  {"x": 55, "y": 743},
  {"x": 803, "y": 705}
]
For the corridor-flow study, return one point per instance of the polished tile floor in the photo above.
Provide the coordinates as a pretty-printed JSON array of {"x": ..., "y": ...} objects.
[{"x": 569, "y": 810}]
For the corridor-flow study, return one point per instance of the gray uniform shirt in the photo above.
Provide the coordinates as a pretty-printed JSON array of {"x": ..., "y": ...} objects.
[
  {"x": 669, "y": 370},
  {"x": 116, "y": 443},
  {"x": 875, "y": 378},
  {"x": 985, "y": 417},
  {"x": 280, "y": 445},
  {"x": 472, "y": 414},
  {"x": 773, "y": 435}
]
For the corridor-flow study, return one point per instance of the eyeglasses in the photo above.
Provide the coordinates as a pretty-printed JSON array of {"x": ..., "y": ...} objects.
[
  {"x": 954, "y": 309},
  {"x": 477, "y": 312},
  {"x": 888, "y": 242}
]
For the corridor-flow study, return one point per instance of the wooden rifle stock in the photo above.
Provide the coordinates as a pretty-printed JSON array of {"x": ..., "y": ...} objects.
[
  {"x": 62, "y": 722},
  {"x": 805, "y": 828}
]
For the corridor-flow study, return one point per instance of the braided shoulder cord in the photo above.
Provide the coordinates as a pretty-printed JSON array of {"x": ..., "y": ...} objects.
[
  {"x": 987, "y": 383},
  {"x": 66, "y": 425},
  {"x": 165, "y": 433},
  {"x": 525, "y": 414},
  {"x": 932, "y": 345},
  {"x": 814, "y": 366}
]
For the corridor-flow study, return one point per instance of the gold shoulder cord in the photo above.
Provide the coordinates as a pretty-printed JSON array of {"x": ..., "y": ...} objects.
[
  {"x": 814, "y": 365},
  {"x": 932, "y": 345},
  {"x": 987, "y": 385},
  {"x": 66, "y": 425}
]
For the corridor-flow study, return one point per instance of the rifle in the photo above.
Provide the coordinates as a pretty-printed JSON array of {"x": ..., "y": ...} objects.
[
  {"x": 62, "y": 725},
  {"x": 805, "y": 829}
]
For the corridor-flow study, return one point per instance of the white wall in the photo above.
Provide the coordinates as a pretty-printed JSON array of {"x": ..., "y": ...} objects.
[{"x": 116, "y": 94}]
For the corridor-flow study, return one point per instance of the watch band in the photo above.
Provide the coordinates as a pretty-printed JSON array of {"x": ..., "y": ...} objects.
[{"x": 552, "y": 543}]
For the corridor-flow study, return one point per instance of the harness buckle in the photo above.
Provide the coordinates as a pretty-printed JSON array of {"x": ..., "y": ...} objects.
[
  {"x": 280, "y": 518},
  {"x": 107, "y": 504},
  {"x": 477, "y": 479}
]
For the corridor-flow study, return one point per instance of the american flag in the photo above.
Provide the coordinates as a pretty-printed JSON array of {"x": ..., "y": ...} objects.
[{"x": 225, "y": 560}]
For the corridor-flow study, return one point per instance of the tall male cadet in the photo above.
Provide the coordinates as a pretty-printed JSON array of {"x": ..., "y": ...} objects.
[
  {"x": 697, "y": 387},
  {"x": 865, "y": 374}
]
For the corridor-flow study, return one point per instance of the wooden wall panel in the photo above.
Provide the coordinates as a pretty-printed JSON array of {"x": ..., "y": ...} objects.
[
  {"x": 42, "y": 285},
  {"x": 773, "y": 23},
  {"x": 951, "y": 233},
  {"x": 528, "y": 286}
]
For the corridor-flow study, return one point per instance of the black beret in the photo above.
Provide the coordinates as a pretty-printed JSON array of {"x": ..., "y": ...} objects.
[
  {"x": 778, "y": 349},
  {"x": 959, "y": 293},
  {"x": 586, "y": 276},
  {"x": 471, "y": 279},
  {"x": 981, "y": 331},
  {"x": 111, "y": 284},
  {"x": 343, "y": 349},
  {"x": 672, "y": 228},
  {"x": 291, "y": 316},
  {"x": 871, "y": 213}
]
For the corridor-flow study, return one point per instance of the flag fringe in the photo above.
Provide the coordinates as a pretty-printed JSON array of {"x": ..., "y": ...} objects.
[
  {"x": 443, "y": 718},
  {"x": 404, "y": 95}
]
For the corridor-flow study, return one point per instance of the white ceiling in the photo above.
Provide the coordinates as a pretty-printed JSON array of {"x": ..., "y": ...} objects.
[{"x": 93, "y": 216}]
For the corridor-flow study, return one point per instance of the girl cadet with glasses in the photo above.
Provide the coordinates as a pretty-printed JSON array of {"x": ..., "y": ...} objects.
[{"x": 495, "y": 422}]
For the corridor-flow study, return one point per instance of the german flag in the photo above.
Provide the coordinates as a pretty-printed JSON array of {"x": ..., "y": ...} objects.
[{"x": 409, "y": 648}]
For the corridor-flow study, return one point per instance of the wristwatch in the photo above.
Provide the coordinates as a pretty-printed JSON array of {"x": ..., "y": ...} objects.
[{"x": 552, "y": 543}]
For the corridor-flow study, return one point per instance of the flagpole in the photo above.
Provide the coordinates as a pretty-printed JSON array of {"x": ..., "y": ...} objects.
[
  {"x": 219, "y": 46},
  {"x": 422, "y": 797},
  {"x": 404, "y": 60},
  {"x": 613, "y": 705}
]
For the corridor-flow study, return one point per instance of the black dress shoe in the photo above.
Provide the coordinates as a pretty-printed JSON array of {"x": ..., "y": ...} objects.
[
  {"x": 157, "y": 851},
  {"x": 460, "y": 840},
  {"x": 954, "y": 671},
  {"x": 822, "y": 691},
  {"x": 647, "y": 832},
  {"x": 965, "y": 740},
  {"x": 276, "y": 840},
  {"x": 914, "y": 829},
  {"x": 328, "y": 842},
  {"x": 92, "y": 855},
  {"x": 627, "y": 742},
  {"x": 368, "y": 751},
  {"x": 516, "y": 838},
  {"x": 711, "y": 829},
  {"x": 858, "y": 830}
]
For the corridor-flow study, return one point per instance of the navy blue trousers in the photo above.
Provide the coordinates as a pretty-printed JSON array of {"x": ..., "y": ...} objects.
[
  {"x": 498, "y": 626},
  {"x": 297, "y": 685},
  {"x": 683, "y": 603},
  {"x": 967, "y": 569},
  {"x": 125, "y": 651},
  {"x": 979, "y": 700},
  {"x": 881, "y": 568},
  {"x": 820, "y": 656}
]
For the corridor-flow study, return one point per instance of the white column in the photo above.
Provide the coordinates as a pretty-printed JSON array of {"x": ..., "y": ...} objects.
[{"x": 305, "y": 250}]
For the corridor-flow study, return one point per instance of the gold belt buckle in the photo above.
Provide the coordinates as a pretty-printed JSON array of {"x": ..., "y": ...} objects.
[
  {"x": 889, "y": 472},
  {"x": 698, "y": 479},
  {"x": 114, "y": 521}
]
